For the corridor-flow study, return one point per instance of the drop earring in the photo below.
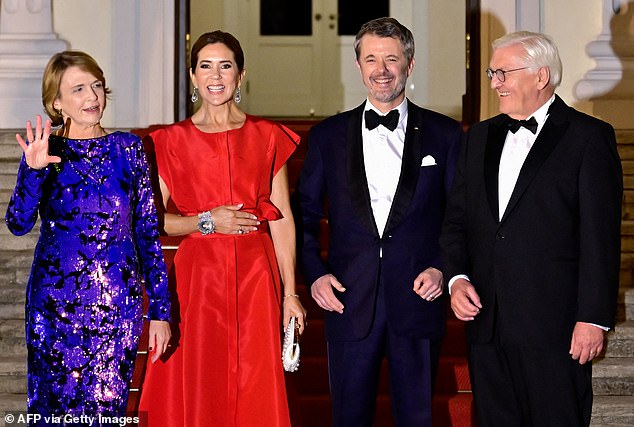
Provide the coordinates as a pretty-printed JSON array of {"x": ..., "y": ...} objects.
[
  {"x": 194, "y": 96},
  {"x": 238, "y": 96}
]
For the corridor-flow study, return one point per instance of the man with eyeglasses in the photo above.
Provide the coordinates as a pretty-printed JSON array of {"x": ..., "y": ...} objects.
[{"x": 531, "y": 241}]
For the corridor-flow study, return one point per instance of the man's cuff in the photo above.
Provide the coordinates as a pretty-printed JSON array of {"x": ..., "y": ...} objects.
[
  {"x": 605, "y": 328},
  {"x": 454, "y": 278}
]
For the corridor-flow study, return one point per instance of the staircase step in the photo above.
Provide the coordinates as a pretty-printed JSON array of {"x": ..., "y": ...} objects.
[
  {"x": 11, "y": 291},
  {"x": 11, "y": 242},
  {"x": 629, "y": 304},
  {"x": 16, "y": 259},
  {"x": 621, "y": 340},
  {"x": 612, "y": 411},
  {"x": 312, "y": 376},
  {"x": 613, "y": 376},
  {"x": 454, "y": 410},
  {"x": 12, "y": 365},
  {"x": 13, "y": 374},
  {"x": 454, "y": 343},
  {"x": 11, "y": 328},
  {"x": 13, "y": 384},
  {"x": 12, "y": 346},
  {"x": 9, "y": 167},
  {"x": 453, "y": 375},
  {"x": 313, "y": 342},
  {"x": 7, "y": 181},
  {"x": 10, "y": 151},
  {"x": 12, "y": 402},
  {"x": 11, "y": 311}
]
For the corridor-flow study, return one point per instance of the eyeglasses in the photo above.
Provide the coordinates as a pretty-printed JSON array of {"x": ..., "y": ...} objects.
[{"x": 501, "y": 74}]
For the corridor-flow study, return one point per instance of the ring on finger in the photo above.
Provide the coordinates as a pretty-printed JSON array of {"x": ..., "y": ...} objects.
[{"x": 240, "y": 231}]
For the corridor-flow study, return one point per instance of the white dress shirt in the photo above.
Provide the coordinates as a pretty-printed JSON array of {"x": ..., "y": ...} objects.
[
  {"x": 383, "y": 156},
  {"x": 516, "y": 148}
]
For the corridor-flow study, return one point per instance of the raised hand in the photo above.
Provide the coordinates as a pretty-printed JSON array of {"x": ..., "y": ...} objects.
[{"x": 36, "y": 145}]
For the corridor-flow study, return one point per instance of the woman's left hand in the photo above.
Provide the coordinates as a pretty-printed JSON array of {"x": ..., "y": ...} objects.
[
  {"x": 293, "y": 308},
  {"x": 160, "y": 335}
]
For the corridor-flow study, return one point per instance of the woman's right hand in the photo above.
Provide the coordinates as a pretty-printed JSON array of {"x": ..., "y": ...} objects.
[
  {"x": 36, "y": 152},
  {"x": 229, "y": 219}
]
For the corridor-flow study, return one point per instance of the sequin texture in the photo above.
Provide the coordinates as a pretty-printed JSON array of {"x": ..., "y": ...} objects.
[{"x": 98, "y": 246}]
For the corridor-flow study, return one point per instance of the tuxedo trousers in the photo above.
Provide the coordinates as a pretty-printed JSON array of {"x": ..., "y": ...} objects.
[
  {"x": 354, "y": 369},
  {"x": 515, "y": 385}
]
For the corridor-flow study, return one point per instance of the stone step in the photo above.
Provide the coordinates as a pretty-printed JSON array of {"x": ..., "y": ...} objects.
[
  {"x": 5, "y": 196},
  {"x": 621, "y": 340},
  {"x": 13, "y": 346},
  {"x": 12, "y": 402},
  {"x": 627, "y": 226},
  {"x": 11, "y": 292},
  {"x": 11, "y": 328},
  {"x": 10, "y": 151},
  {"x": 13, "y": 374},
  {"x": 10, "y": 242},
  {"x": 612, "y": 411},
  {"x": 7, "y": 136},
  {"x": 16, "y": 259},
  {"x": 9, "y": 166},
  {"x": 11, "y": 312},
  {"x": 613, "y": 376},
  {"x": 13, "y": 379},
  {"x": 623, "y": 136},
  {"x": 12, "y": 365},
  {"x": 628, "y": 302},
  {"x": 7, "y": 181}
]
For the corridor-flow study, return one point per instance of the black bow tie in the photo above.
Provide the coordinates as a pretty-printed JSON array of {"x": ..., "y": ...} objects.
[
  {"x": 530, "y": 124},
  {"x": 390, "y": 120}
]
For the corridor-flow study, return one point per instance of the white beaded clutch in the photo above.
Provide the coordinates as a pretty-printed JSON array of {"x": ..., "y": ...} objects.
[{"x": 290, "y": 347}]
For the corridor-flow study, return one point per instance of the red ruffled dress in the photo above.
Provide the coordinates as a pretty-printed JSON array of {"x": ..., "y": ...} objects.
[{"x": 226, "y": 368}]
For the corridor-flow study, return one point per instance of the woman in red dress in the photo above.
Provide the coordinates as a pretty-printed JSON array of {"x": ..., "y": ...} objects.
[{"x": 225, "y": 172}]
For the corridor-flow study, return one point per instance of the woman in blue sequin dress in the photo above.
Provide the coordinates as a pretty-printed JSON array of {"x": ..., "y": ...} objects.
[{"x": 98, "y": 247}]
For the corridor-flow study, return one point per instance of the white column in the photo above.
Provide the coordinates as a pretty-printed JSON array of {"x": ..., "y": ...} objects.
[
  {"x": 610, "y": 85},
  {"x": 27, "y": 42},
  {"x": 613, "y": 52}
]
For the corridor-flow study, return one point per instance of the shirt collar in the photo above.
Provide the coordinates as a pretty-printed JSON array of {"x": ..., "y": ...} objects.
[
  {"x": 402, "y": 110},
  {"x": 542, "y": 114}
]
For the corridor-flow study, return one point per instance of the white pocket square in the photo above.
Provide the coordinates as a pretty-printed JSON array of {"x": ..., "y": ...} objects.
[{"x": 428, "y": 161}]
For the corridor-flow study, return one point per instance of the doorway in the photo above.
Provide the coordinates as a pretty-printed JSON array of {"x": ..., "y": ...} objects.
[{"x": 300, "y": 57}]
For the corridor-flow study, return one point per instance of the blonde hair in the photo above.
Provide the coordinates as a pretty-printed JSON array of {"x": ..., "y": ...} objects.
[{"x": 55, "y": 69}]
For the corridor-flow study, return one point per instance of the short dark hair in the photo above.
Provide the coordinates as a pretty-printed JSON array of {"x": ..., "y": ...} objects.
[
  {"x": 217, "y": 37},
  {"x": 387, "y": 27}
]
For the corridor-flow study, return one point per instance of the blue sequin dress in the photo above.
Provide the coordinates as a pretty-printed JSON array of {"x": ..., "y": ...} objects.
[{"x": 98, "y": 247}]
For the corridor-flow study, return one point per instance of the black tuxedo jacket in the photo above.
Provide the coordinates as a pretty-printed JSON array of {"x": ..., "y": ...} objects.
[
  {"x": 334, "y": 175},
  {"x": 553, "y": 258}
]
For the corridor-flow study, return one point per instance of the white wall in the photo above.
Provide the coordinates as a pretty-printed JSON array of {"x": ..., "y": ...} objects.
[
  {"x": 572, "y": 25},
  {"x": 133, "y": 43},
  {"x": 138, "y": 64}
]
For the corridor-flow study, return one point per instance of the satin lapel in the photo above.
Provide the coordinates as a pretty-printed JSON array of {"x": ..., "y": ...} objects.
[
  {"x": 546, "y": 141},
  {"x": 495, "y": 143},
  {"x": 357, "y": 179},
  {"x": 410, "y": 166}
]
